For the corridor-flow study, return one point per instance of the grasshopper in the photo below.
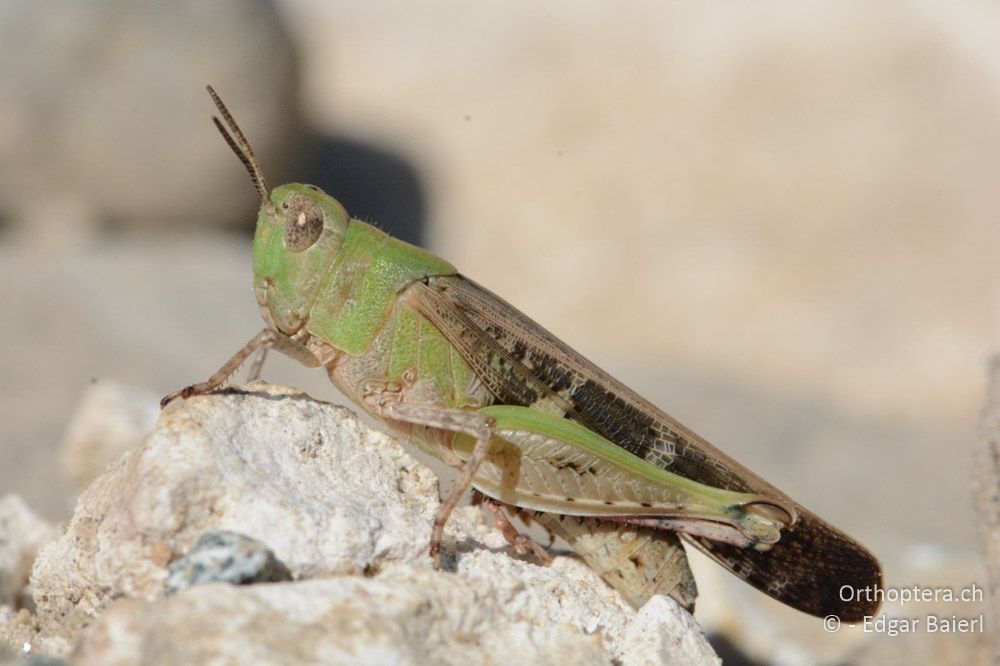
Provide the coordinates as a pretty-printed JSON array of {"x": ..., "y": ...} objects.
[{"x": 531, "y": 425}]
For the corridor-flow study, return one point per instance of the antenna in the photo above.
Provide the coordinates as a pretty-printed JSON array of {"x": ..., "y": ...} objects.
[{"x": 241, "y": 147}]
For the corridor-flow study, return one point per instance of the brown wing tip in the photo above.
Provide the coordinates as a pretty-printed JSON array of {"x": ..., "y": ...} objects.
[
  {"x": 813, "y": 568},
  {"x": 861, "y": 595},
  {"x": 846, "y": 577}
]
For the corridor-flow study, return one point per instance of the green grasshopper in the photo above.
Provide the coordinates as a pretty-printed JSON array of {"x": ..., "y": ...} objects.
[{"x": 532, "y": 425}]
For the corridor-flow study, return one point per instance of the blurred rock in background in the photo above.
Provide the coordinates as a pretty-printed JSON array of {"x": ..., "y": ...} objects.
[
  {"x": 104, "y": 119},
  {"x": 777, "y": 221},
  {"x": 103, "y": 115}
]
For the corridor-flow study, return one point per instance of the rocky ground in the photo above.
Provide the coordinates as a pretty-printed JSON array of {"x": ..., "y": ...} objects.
[
  {"x": 267, "y": 527},
  {"x": 260, "y": 525}
]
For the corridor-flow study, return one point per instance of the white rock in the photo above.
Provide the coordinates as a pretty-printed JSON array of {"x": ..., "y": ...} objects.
[
  {"x": 110, "y": 419},
  {"x": 87, "y": 142},
  {"x": 333, "y": 500},
  {"x": 22, "y": 533},
  {"x": 663, "y": 633},
  {"x": 305, "y": 478},
  {"x": 416, "y": 616}
]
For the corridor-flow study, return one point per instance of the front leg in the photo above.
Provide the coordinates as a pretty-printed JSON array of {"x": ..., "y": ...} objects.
[{"x": 266, "y": 339}]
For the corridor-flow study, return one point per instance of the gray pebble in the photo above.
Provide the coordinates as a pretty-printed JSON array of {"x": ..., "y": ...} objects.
[{"x": 227, "y": 557}]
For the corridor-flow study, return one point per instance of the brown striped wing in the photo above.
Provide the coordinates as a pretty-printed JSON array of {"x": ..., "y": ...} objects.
[{"x": 523, "y": 364}]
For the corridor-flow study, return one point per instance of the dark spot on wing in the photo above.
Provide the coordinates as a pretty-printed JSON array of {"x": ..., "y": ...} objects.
[{"x": 570, "y": 464}]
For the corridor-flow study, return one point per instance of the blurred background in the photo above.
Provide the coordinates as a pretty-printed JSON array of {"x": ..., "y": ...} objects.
[{"x": 777, "y": 221}]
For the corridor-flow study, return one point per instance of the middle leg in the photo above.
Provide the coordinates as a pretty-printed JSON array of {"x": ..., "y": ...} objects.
[{"x": 465, "y": 421}]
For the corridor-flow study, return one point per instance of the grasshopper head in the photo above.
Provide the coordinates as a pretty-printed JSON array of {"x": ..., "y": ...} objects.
[{"x": 299, "y": 232}]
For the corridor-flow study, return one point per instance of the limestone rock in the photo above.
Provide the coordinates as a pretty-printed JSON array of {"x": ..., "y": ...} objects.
[
  {"x": 110, "y": 419},
  {"x": 305, "y": 478},
  {"x": 418, "y": 617},
  {"x": 118, "y": 117},
  {"x": 22, "y": 533},
  {"x": 663, "y": 633},
  {"x": 349, "y": 513},
  {"x": 407, "y": 615}
]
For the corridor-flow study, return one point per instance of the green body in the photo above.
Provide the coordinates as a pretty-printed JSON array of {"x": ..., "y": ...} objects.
[{"x": 344, "y": 292}]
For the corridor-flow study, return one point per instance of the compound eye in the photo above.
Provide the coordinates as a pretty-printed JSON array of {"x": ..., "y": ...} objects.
[{"x": 303, "y": 222}]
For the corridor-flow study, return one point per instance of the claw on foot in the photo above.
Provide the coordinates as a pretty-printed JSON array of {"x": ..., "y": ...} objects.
[
  {"x": 183, "y": 394},
  {"x": 435, "y": 553},
  {"x": 521, "y": 543},
  {"x": 524, "y": 545},
  {"x": 170, "y": 397}
]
